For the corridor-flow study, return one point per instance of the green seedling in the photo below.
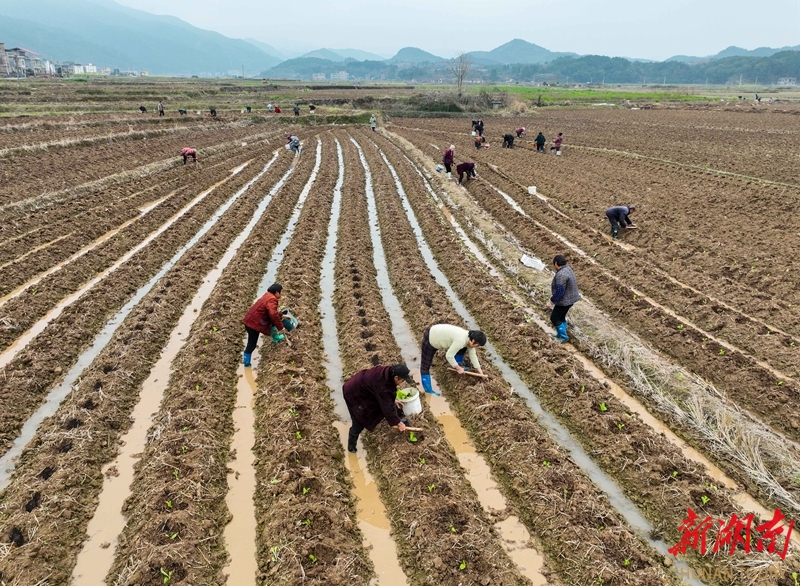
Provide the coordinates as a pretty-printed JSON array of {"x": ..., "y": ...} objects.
[
  {"x": 680, "y": 326},
  {"x": 779, "y": 383},
  {"x": 627, "y": 562},
  {"x": 603, "y": 407},
  {"x": 462, "y": 566},
  {"x": 185, "y": 428},
  {"x": 674, "y": 473},
  {"x": 167, "y": 576},
  {"x": 169, "y": 504},
  {"x": 298, "y": 435},
  {"x": 197, "y": 387},
  {"x": 422, "y": 461},
  {"x": 313, "y": 558},
  {"x": 214, "y": 329},
  {"x": 431, "y": 487},
  {"x": 620, "y": 426},
  {"x": 175, "y": 474},
  {"x": 184, "y": 449},
  {"x": 635, "y": 297},
  {"x": 412, "y": 437},
  {"x": 293, "y": 412},
  {"x": 173, "y": 536},
  {"x": 794, "y": 577},
  {"x": 583, "y": 388},
  {"x": 274, "y": 551},
  {"x": 791, "y": 344},
  {"x": 205, "y": 341},
  {"x": 545, "y": 463},
  {"x": 307, "y": 522},
  {"x": 704, "y": 499},
  {"x": 274, "y": 481},
  {"x": 452, "y": 529},
  {"x": 291, "y": 363},
  {"x": 494, "y": 398},
  {"x": 601, "y": 527},
  {"x": 721, "y": 352},
  {"x": 306, "y": 490}
]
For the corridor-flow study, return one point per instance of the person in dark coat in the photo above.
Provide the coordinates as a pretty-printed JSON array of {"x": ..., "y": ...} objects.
[
  {"x": 448, "y": 158},
  {"x": 480, "y": 127},
  {"x": 479, "y": 140},
  {"x": 508, "y": 141},
  {"x": 467, "y": 168},
  {"x": 371, "y": 396},
  {"x": 264, "y": 318},
  {"x": 213, "y": 112},
  {"x": 142, "y": 109},
  {"x": 564, "y": 290},
  {"x": 619, "y": 216},
  {"x": 297, "y": 110},
  {"x": 540, "y": 141}
]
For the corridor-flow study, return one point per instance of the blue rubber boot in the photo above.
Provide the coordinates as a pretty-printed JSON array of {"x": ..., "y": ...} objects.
[
  {"x": 426, "y": 385},
  {"x": 460, "y": 360},
  {"x": 246, "y": 358},
  {"x": 561, "y": 332}
]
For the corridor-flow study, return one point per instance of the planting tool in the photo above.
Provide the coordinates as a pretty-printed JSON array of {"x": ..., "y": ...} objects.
[
  {"x": 410, "y": 428},
  {"x": 470, "y": 373}
]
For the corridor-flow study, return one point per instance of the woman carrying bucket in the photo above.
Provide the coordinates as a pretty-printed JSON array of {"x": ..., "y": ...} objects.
[
  {"x": 371, "y": 396},
  {"x": 457, "y": 341}
]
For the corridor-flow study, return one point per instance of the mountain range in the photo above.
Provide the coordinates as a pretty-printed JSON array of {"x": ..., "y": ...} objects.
[{"x": 108, "y": 34}]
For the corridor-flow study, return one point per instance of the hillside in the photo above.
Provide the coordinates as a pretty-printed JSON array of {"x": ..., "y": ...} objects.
[
  {"x": 268, "y": 49},
  {"x": 516, "y": 51},
  {"x": 108, "y": 34},
  {"x": 734, "y": 51},
  {"x": 414, "y": 55}
]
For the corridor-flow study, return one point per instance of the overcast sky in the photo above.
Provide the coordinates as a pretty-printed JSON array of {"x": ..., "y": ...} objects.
[{"x": 647, "y": 29}]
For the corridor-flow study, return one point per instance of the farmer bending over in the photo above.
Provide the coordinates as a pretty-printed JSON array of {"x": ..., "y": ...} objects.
[
  {"x": 188, "y": 152},
  {"x": 263, "y": 318},
  {"x": 371, "y": 395},
  {"x": 457, "y": 341},
  {"x": 508, "y": 141},
  {"x": 465, "y": 168},
  {"x": 619, "y": 216}
]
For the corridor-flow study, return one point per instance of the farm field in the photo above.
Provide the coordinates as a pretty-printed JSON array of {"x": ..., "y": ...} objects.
[{"x": 138, "y": 450}]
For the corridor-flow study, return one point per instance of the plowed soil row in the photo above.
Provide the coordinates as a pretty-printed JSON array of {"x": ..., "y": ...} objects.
[
  {"x": 189, "y": 444},
  {"x": 735, "y": 373},
  {"x": 53, "y": 351},
  {"x": 436, "y": 518},
  {"x": 583, "y": 536},
  {"x": 27, "y": 175},
  {"x": 32, "y": 265},
  {"x": 307, "y": 530},
  {"x": 55, "y": 487},
  {"x": 641, "y": 461}
]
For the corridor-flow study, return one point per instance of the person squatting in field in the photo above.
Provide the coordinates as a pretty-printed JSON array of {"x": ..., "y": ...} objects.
[
  {"x": 557, "y": 143},
  {"x": 264, "y": 318},
  {"x": 619, "y": 216},
  {"x": 520, "y": 132},
  {"x": 187, "y": 152},
  {"x": 467, "y": 168},
  {"x": 293, "y": 142},
  {"x": 447, "y": 159},
  {"x": 564, "y": 291},
  {"x": 479, "y": 140},
  {"x": 508, "y": 141},
  {"x": 371, "y": 396},
  {"x": 457, "y": 341},
  {"x": 142, "y": 109}
]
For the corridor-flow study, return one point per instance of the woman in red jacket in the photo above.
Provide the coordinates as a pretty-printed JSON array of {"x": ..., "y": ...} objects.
[{"x": 263, "y": 318}]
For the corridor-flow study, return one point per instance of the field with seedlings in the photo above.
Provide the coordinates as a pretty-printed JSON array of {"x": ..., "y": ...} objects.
[{"x": 138, "y": 450}]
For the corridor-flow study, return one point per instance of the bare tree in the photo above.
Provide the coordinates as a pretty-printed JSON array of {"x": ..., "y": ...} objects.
[{"x": 460, "y": 66}]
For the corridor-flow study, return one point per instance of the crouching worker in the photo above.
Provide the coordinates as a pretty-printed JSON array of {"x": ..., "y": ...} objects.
[
  {"x": 264, "y": 318},
  {"x": 620, "y": 216},
  {"x": 188, "y": 152},
  {"x": 508, "y": 141},
  {"x": 457, "y": 341},
  {"x": 371, "y": 395},
  {"x": 293, "y": 142},
  {"x": 467, "y": 168}
]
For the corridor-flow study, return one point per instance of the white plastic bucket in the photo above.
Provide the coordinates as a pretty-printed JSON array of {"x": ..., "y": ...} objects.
[
  {"x": 412, "y": 405},
  {"x": 532, "y": 190},
  {"x": 288, "y": 146},
  {"x": 558, "y": 153},
  {"x": 474, "y": 133}
]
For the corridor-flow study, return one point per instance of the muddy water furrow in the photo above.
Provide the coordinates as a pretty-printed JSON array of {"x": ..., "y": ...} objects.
[
  {"x": 558, "y": 503},
  {"x": 737, "y": 373},
  {"x": 61, "y": 468},
  {"x": 53, "y": 351},
  {"x": 180, "y": 483},
  {"x": 306, "y": 512},
  {"x": 640, "y": 460},
  {"x": 443, "y": 534},
  {"x": 28, "y": 175}
]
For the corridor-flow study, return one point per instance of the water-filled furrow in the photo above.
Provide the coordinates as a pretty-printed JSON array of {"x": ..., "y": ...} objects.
[
  {"x": 616, "y": 497},
  {"x": 57, "y": 394}
]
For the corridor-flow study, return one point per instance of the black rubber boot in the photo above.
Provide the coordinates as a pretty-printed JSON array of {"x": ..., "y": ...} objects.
[{"x": 352, "y": 440}]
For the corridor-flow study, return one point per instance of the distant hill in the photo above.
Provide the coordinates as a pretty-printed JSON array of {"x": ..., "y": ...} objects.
[
  {"x": 268, "y": 49},
  {"x": 516, "y": 51},
  {"x": 108, "y": 34},
  {"x": 414, "y": 55},
  {"x": 358, "y": 55},
  {"x": 322, "y": 54},
  {"x": 734, "y": 51}
]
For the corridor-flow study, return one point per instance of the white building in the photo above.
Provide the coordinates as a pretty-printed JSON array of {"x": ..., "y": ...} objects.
[
  {"x": 90, "y": 68},
  {"x": 318, "y": 77},
  {"x": 787, "y": 81},
  {"x": 339, "y": 76}
]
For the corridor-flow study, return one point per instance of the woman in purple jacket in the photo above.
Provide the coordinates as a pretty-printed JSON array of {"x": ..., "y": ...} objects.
[
  {"x": 447, "y": 159},
  {"x": 371, "y": 396}
]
